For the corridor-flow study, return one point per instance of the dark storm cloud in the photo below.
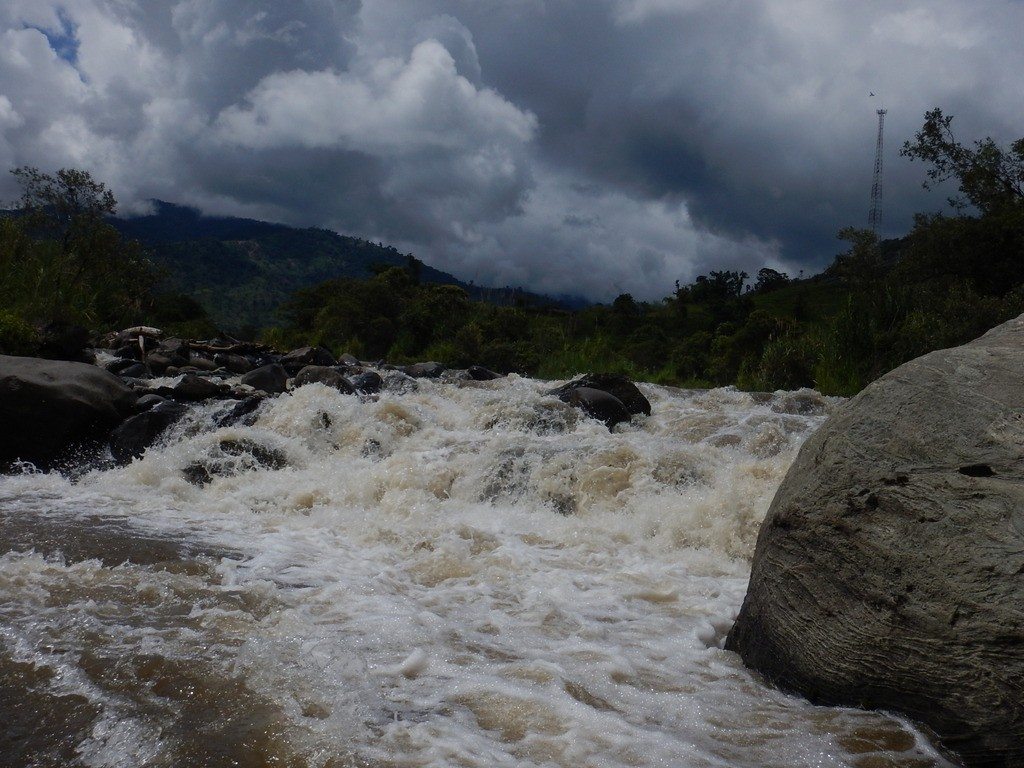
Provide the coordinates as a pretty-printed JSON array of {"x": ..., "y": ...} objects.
[{"x": 591, "y": 146}]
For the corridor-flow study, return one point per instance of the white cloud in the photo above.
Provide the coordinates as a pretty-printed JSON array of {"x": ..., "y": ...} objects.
[
  {"x": 392, "y": 106},
  {"x": 592, "y": 146}
]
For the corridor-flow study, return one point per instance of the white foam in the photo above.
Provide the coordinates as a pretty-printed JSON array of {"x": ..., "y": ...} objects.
[{"x": 477, "y": 575}]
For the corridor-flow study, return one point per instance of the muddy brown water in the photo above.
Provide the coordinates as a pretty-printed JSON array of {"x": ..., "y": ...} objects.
[{"x": 498, "y": 582}]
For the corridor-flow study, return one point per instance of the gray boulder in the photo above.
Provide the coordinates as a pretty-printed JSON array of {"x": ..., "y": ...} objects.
[
  {"x": 48, "y": 405},
  {"x": 299, "y": 358},
  {"x": 194, "y": 388},
  {"x": 889, "y": 571},
  {"x": 233, "y": 363},
  {"x": 322, "y": 374},
  {"x": 272, "y": 379}
]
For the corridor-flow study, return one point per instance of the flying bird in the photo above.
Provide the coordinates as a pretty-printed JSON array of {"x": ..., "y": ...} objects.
[{"x": 870, "y": 94}]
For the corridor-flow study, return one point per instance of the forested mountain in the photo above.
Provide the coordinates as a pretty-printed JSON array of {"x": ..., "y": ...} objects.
[{"x": 241, "y": 270}]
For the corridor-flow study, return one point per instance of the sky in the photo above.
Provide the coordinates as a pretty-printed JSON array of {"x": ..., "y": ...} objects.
[{"x": 589, "y": 147}]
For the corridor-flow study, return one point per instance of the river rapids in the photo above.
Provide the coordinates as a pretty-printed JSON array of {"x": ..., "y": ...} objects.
[{"x": 468, "y": 574}]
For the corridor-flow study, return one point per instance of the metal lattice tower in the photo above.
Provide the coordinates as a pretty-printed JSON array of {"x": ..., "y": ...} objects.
[{"x": 875, "y": 217}]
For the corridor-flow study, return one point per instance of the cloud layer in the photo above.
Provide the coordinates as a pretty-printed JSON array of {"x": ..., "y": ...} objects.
[{"x": 587, "y": 147}]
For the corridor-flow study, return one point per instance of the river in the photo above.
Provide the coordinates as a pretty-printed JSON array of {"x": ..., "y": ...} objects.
[{"x": 470, "y": 574}]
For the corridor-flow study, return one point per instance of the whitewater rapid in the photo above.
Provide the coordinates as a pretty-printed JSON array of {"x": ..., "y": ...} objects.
[{"x": 469, "y": 574}]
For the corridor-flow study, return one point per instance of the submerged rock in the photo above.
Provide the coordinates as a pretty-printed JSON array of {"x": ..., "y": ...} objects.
[
  {"x": 131, "y": 439},
  {"x": 232, "y": 457},
  {"x": 239, "y": 411},
  {"x": 888, "y": 572},
  {"x": 367, "y": 382},
  {"x": 46, "y": 405},
  {"x": 479, "y": 373},
  {"x": 399, "y": 383}
]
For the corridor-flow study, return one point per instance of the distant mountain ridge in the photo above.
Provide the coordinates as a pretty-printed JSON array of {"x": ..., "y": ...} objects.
[{"x": 241, "y": 270}]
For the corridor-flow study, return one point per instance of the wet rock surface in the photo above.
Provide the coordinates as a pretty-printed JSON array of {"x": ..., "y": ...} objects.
[
  {"x": 888, "y": 572},
  {"x": 322, "y": 374},
  {"x": 298, "y": 359},
  {"x": 272, "y": 379},
  {"x": 596, "y": 404},
  {"x": 46, "y": 405},
  {"x": 614, "y": 384},
  {"x": 131, "y": 439}
]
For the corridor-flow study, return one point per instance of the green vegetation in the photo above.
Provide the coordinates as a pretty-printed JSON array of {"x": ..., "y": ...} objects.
[
  {"x": 63, "y": 263},
  {"x": 241, "y": 271},
  {"x": 881, "y": 303}
]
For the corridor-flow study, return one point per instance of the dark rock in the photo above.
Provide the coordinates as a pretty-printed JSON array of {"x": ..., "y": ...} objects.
[
  {"x": 172, "y": 353},
  {"x": 239, "y": 411},
  {"x": 367, "y": 382},
  {"x": 888, "y": 571},
  {"x": 298, "y": 359},
  {"x": 64, "y": 341},
  {"x": 597, "y": 404},
  {"x": 201, "y": 362},
  {"x": 194, "y": 388},
  {"x": 159, "y": 363},
  {"x": 178, "y": 349},
  {"x": 272, "y": 379},
  {"x": 118, "y": 364},
  {"x": 47, "y": 405},
  {"x": 129, "y": 351},
  {"x": 321, "y": 374},
  {"x": 614, "y": 384},
  {"x": 131, "y": 439},
  {"x": 135, "y": 371},
  {"x": 349, "y": 360},
  {"x": 146, "y": 402},
  {"x": 479, "y": 373},
  {"x": 233, "y": 457},
  {"x": 430, "y": 370},
  {"x": 234, "y": 363}
]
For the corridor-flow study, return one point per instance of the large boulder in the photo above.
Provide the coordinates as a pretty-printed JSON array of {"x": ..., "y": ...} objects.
[
  {"x": 616, "y": 385},
  {"x": 299, "y": 358},
  {"x": 889, "y": 571},
  {"x": 322, "y": 374},
  {"x": 272, "y": 379},
  {"x": 48, "y": 405}
]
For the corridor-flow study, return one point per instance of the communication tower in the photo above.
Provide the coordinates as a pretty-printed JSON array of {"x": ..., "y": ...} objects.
[{"x": 875, "y": 217}]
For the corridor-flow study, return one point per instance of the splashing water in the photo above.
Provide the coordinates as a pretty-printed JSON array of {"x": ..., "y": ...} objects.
[{"x": 470, "y": 574}]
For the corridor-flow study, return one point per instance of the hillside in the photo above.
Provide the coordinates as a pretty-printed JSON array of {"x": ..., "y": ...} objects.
[{"x": 241, "y": 270}]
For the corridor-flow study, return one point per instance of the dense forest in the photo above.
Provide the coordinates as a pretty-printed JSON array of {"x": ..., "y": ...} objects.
[
  {"x": 953, "y": 276},
  {"x": 242, "y": 270}
]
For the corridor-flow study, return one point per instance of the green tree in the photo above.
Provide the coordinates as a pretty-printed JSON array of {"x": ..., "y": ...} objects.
[{"x": 989, "y": 176}]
